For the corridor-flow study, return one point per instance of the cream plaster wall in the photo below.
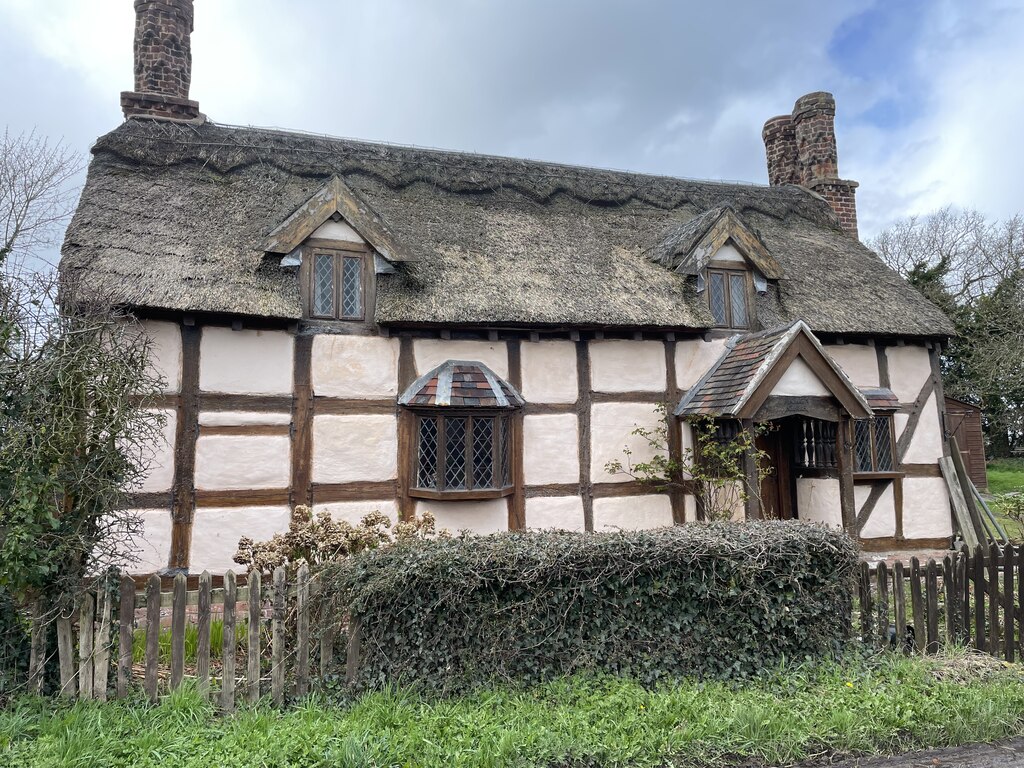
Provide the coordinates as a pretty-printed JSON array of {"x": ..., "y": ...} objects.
[
  {"x": 909, "y": 368},
  {"x": 216, "y": 531},
  {"x": 632, "y": 512},
  {"x": 165, "y": 352},
  {"x": 357, "y": 367},
  {"x": 245, "y": 362},
  {"x": 230, "y": 462},
  {"x": 243, "y": 418},
  {"x": 926, "y": 513},
  {"x": 562, "y": 512},
  {"x": 489, "y": 516},
  {"x": 926, "y": 444},
  {"x": 728, "y": 252},
  {"x": 337, "y": 230},
  {"x": 430, "y": 353},
  {"x": 152, "y": 545},
  {"x": 689, "y": 508},
  {"x": 882, "y": 521},
  {"x": 549, "y": 372},
  {"x": 551, "y": 449},
  {"x": 611, "y": 425},
  {"x": 858, "y": 361},
  {"x": 800, "y": 381},
  {"x": 622, "y": 365},
  {"x": 160, "y": 455},
  {"x": 354, "y": 448},
  {"x": 354, "y": 511},
  {"x": 817, "y": 501},
  {"x": 693, "y": 359}
]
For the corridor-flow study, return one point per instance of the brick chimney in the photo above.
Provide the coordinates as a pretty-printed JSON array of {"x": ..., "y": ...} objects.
[
  {"x": 163, "y": 62},
  {"x": 801, "y": 149}
]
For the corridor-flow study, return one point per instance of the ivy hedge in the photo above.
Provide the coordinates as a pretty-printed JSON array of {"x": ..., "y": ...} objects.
[{"x": 717, "y": 600}]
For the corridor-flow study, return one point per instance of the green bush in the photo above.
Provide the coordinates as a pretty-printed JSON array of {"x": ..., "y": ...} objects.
[{"x": 713, "y": 600}]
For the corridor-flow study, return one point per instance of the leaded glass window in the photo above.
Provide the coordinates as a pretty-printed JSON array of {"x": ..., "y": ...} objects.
[
  {"x": 728, "y": 298},
  {"x": 336, "y": 286},
  {"x": 323, "y": 285},
  {"x": 463, "y": 452},
  {"x": 873, "y": 445}
]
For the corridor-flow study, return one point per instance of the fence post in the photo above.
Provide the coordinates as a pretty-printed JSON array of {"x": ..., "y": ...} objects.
[
  {"x": 1020, "y": 601},
  {"x": 932, "y": 589},
  {"x": 277, "y": 637},
  {"x": 917, "y": 604},
  {"x": 355, "y": 634},
  {"x": 882, "y": 579},
  {"x": 994, "y": 643},
  {"x": 101, "y": 669},
  {"x": 963, "y": 573},
  {"x": 178, "y": 630},
  {"x": 899, "y": 603},
  {"x": 1009, "y": 617},
  {"x": 126, "y": 634},
  {"x": 203, "y": 640},
  {"x": 864, "y": 586},
  {"x": 86, "y": 619},
  {"x": 37, "y": 658},
  {"x": 950, "y": 592},
  {"x": 979, "y": 599},
  {"x": 152, "y": 636},
  {"x": 66, "y": 653},
  {"x": 302, "y": 631},
  {"x": 227, "y": 687},
  {"x": 253, "y": 653}
]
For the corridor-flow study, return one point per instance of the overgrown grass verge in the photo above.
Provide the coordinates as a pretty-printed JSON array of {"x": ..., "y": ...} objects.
[
  {"x": 882, "y": 704},
  {"x": 1005, "y": 475}
]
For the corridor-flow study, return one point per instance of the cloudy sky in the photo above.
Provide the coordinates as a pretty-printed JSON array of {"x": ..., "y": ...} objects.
[{"x": 929, "y": 93}]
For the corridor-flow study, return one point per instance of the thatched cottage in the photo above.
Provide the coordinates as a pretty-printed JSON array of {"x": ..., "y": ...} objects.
[{"x": 361, "y": 326}]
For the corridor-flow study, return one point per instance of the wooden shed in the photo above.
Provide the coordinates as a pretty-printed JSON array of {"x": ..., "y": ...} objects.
[{"x": 963, "y": 421}]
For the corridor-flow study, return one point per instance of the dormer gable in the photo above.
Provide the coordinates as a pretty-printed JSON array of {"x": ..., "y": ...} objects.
[
  {"x": 690, "y": 247},
  {"x": 336, "y": 199}
]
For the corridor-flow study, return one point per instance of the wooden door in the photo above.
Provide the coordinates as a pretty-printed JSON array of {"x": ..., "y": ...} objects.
[{"x": 776, "y": 487}]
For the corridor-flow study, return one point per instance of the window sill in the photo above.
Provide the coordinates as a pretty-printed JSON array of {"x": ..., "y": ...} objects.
[{"x": 476, "y": 495}]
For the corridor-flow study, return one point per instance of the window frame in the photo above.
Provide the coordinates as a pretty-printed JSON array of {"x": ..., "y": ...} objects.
[
  {"x": 874, "y": 472},
  {"x": 498, "y": 462},
  {"x": 727, "y": 270},
  {"x": 339, "y": 252}
]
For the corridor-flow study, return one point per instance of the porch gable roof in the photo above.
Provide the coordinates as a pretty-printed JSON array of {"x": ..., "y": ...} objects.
[{"x": 740, "y": 381}]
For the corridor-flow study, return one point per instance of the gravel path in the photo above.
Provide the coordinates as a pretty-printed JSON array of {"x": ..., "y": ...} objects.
[{"x": 1003, "y": 754}]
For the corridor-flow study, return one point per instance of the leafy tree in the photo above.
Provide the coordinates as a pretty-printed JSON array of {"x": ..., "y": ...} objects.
[
  {"x": 76, "y": 427},
  {"x": 973, "y": 269}
]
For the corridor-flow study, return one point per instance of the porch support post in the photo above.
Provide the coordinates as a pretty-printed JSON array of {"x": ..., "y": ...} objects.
[
  {"x": 750, "y": 478},
  {"x": 844, "y": 458}
]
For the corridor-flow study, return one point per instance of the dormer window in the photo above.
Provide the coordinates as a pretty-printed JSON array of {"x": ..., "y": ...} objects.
[
  {"x": 728, "y": 293},
  {"x": 337, "y": 284}
]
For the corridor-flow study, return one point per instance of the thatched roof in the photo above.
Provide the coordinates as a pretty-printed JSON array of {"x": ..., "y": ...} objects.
[{"x": 175, "y": 217}]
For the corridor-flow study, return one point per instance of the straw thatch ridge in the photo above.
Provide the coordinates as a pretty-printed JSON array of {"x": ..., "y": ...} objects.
[{"x": 174, "y": 217}]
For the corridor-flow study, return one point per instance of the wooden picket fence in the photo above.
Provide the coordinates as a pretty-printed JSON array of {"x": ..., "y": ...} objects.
[
  {"x": 244, "y": 670},
  {"x": 970, "y": 598}
]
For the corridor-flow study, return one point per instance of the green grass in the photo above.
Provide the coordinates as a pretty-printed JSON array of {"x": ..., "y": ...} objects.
[
  {"x": 885, "y": 704},
  {"x": 1005, "y": 475}
]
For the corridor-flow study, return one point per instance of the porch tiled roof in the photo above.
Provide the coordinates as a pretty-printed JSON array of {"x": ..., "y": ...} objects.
[
  {"x": 723, "y": 387},
  {"x": 880, "y": 398},
  {"x": 462, "y": 384}
]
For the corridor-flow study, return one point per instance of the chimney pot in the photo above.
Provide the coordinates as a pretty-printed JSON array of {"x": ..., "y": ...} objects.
[{"x": 163, "y": 61}]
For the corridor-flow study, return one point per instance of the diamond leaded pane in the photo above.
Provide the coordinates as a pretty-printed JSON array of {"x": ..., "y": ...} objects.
[
  {"x": 426, "y": 474},
  {"x": 863, "y": 445},
  {"x": 323, "y": 285},
  {"x": 738, "y": 300},
  {"x": 883, "y": 444},
  {"x": 716, "y": 292},
  {"x": 483, "y": 452},
  {"x": 455, "y": 453},
  {"x": 503, "y": 451},
  {"x": 351, "y": 287}
]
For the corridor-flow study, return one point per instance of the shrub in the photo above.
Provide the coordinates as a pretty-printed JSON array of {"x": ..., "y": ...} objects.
[{"x": 713, "y": 600}]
